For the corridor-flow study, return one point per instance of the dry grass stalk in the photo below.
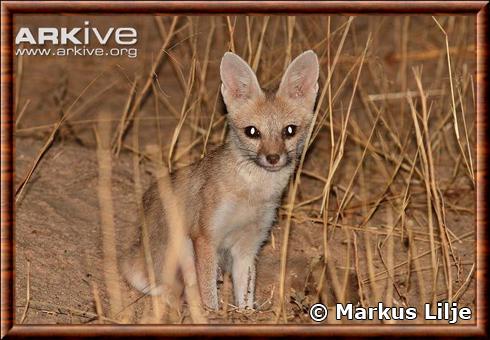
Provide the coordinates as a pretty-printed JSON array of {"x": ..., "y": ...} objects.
[
  {"x": 430, "y": 54},
  {"x": 390, "y": 264},
  {"x": 226, "y": 292},
  {"x": 183, "y": 114},
  {"x": 157, "y": 312},
  {"x": 459, "y": 293},
  {"x": 362, "y": 292},
  {"x": 468, "y": 150},
  {"x": 413, "y": 258},
  {"x": 118, "y": 138},
  {"x": 258, "y": 52},
  {"x": 156, "y": 102},
  {"x": 211, "y": 122},
  {"x": 106, "y": 208},
  {"x": 231, "y": 31},
  {"x": 21, "y": 113},
  {"x": 28, "y": 293},
  {"x": 401, "y": 95},
  {"x": 98, "y": 304},
  {"x": 291, "y": 22},
  {"x": 59, "y": 309},
  {"x": 18, "y": 84}
]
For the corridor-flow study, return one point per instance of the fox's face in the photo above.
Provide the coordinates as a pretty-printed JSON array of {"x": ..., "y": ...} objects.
[{"x": 269, "y": 129}]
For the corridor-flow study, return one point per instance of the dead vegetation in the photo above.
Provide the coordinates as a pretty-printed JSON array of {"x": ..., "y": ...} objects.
[{"x": 381, "y": 208}]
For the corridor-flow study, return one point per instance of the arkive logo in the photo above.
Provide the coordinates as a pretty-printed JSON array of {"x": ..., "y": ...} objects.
[
  {"x": 77, "y": 35},
  {"x": 75, "y": 41}
]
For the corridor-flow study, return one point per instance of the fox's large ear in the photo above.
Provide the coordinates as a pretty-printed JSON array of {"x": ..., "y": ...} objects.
[
  {"x": 239, "y": 82},
  {"x": 300, "y": 81}
]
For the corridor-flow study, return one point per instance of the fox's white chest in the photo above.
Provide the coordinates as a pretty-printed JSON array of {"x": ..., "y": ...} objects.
[
  {"x": 229, "y": 215},
  {"x": 236, "y": 219}
]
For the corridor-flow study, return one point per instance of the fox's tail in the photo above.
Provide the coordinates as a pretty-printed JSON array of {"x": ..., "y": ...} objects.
[{"x": 135, "y": 272}]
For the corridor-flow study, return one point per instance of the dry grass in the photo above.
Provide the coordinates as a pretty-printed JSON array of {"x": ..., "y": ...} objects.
[
  {"x": 112, "y": 277},
  {"x": 388, "y": 167}
]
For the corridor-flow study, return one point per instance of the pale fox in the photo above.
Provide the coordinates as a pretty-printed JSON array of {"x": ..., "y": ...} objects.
[{"x": 230, "y": 197}]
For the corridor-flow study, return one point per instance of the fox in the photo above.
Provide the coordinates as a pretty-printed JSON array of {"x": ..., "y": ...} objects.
[{"x": 231, "y": 196}]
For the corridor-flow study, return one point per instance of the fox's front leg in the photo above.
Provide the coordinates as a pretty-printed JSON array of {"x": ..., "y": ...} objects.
[
  {"x": 243, "y": 273},
  {"x": 243, "y": 253},
  {"x": 207, "y": 270}
]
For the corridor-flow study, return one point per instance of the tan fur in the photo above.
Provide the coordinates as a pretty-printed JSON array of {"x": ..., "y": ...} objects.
[{"x": 230, "y": 196}]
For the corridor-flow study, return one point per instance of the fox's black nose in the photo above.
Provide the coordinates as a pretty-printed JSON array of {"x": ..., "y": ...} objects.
[{"x": 272, "y": 159}]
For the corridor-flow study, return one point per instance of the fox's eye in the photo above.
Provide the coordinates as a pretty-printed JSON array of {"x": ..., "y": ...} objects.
[
  {"x": 252, "y": 132},
  {"x": 289, "y": 131}
]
